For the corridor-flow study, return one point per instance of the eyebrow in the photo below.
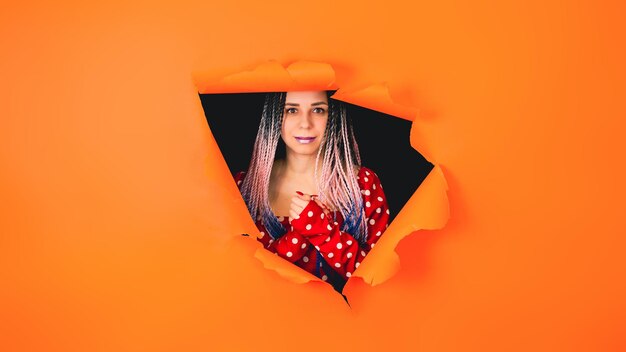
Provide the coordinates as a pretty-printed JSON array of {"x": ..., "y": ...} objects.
[{"x": 314, "y": 104}]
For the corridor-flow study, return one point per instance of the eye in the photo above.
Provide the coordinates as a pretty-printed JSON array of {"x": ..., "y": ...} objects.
[
  {"x": 319, "y": 110},
  {"x": 291, "y": 110}
]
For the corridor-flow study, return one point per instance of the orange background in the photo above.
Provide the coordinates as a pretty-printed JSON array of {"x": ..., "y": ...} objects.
[{"x": 115, "y": 235}]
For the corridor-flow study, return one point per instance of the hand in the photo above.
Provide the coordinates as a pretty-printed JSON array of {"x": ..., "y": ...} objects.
[{"x": 300, "y": 201}]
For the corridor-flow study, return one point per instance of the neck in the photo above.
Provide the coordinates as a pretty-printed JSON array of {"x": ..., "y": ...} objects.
[{"x": 298, "y": 165}]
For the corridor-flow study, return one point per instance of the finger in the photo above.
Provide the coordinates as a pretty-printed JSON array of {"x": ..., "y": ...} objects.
[
  {"x": 299, "y": 201},
  {"x": 303, "y": 196},
  {"x": 319, "y": 202},
  {"x": 323, "y": 206},
  {"x": 303, "y": 201},
  {"x": 296, "y": 206},
  {"x": 292, "y": 215}
]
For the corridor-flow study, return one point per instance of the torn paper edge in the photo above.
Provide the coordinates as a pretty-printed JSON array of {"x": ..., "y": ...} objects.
[{"x": 383, "y": 262}]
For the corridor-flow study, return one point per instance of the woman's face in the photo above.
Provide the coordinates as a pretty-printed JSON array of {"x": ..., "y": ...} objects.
[{"x": 304, "y": 121}]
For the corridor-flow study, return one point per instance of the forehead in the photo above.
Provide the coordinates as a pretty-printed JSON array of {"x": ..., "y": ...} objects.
[{"x": 307, "y": 97}]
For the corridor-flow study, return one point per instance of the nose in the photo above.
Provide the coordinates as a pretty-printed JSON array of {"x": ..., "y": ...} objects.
[{"x": 306, "y": 120}]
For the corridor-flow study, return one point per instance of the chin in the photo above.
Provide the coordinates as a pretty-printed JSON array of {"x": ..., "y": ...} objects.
[{"x": 305, "y": 149}]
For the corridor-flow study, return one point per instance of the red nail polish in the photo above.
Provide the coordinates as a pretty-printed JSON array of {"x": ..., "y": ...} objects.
[{"x": 300, "y": 193}]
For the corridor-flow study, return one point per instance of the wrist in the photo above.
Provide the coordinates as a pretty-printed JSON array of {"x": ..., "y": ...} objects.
[{"x": 311, "y": 221}]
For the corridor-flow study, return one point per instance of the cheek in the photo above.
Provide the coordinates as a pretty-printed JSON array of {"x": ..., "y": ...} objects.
[
  {"x": 322, "y": 125},
  {"x": 285, "y": 129}
]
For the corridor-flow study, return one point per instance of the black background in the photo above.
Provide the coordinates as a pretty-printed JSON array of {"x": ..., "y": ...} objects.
[{"x": 383, "y": 142}]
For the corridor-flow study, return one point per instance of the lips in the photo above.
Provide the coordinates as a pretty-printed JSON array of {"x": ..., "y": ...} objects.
[{"x": 305, "y": 140}]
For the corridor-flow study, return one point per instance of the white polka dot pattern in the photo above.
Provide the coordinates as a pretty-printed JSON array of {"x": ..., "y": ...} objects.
[{"x": 312, "y": 232}]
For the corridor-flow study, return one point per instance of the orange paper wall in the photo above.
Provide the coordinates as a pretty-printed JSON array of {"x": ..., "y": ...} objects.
[{"x": 116, "y": 235}]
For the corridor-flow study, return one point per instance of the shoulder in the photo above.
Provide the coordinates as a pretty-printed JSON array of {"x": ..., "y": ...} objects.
[
  {"x": 374, "y": 197},
  {"x": 367, "y": 174},
  {"x": 239, "y": 176},
  {"x": 368, "y": 179}
]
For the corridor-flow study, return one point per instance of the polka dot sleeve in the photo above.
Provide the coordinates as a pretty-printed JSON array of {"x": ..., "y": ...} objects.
[
  {"x": 291, "y": 246},
  {"x": 239, "y": 178},
  {"x": 376, "y": 208},
  {"x": 340, "y": 249}
]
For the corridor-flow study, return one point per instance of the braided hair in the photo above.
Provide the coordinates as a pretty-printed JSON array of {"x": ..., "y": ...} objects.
[{"x": 336, "y": 181}]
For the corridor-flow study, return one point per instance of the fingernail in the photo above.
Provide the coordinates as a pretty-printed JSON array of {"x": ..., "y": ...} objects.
[
  {"x": 313, "y": 195},
  {"x": 300, "y": 193}
]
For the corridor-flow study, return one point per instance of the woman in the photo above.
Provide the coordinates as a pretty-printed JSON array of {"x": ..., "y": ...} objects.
[{"x": 313, "y": 203}]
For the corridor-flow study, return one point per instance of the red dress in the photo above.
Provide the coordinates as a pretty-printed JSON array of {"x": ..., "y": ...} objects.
[{"x": 314, "y": 237}]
